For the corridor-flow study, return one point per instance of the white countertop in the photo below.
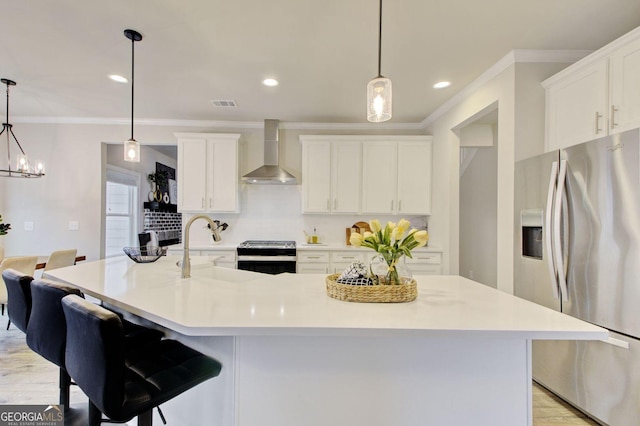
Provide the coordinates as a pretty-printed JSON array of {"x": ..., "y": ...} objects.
[{"x": 226, "y": 302}]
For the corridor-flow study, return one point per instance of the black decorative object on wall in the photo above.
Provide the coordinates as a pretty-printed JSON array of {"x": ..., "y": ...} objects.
[{"x": 170, "y": 174}]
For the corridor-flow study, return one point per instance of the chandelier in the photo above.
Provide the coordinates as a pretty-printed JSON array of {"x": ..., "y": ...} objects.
[{"x": 23, "y": 167}]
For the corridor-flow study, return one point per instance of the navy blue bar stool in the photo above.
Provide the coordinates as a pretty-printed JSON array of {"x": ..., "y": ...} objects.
[{"x": 119, "y": 385}]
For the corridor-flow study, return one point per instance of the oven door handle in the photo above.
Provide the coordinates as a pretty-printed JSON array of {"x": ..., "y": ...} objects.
[{"x": 242, "y": 258}]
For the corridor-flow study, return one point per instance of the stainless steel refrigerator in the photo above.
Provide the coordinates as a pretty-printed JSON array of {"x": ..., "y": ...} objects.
[{"x": 577, "y": 250}]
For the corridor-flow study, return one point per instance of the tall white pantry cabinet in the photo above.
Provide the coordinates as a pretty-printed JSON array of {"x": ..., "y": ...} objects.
[
  {"x": 366, "y": 174},
  {"x": 208, "y": 172}
]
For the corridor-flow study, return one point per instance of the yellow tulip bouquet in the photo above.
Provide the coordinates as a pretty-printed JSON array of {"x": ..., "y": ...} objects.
[{"x": 391, "y": 242}]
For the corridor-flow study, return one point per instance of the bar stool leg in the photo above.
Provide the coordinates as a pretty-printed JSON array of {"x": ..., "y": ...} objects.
[
  {"x": 95, "y": 416},
  {"x": 146, "y": 418},
  {"x": 64, "y": 383}
]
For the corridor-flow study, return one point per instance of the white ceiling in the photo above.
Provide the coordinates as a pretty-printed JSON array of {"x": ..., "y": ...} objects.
[{"x": 322, "y": 52}]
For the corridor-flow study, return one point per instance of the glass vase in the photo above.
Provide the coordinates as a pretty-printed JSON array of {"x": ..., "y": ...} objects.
[{"x": 387, "y": 272}]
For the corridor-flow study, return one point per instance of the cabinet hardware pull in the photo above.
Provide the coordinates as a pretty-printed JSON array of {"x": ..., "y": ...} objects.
[
  {"x": 328, "y": 204},
  {"x": 210, "y": 201},
  {"x": 613, "y": 116},
  {"x": 598, "y": 116},
  {"x": 391, "y": 205},
  {"x": 313, "y": 257},
  {"x": 335, "y": 204}
]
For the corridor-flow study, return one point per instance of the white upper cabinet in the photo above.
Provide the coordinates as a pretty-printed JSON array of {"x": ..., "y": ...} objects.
[
  {"x": 576, "y": 107},
  {"x": 414, "y": 177},
  {"x": 625, "y": 88},
  {"x": 595, "y": 97},
  {"x": 366, "y": 174},
  {"x": 192, "y": 174},
  {"x": 208, "y": 172},
  {"x": 330, "y": 175},
  {"x": 316, "y": 177},
  {"x": 345, "y": 176},
  {"x": 396, "y": 176},
  {"x": 379, "y": 176}
]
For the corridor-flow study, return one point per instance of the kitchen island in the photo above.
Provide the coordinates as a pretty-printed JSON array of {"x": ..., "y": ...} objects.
[{"x": 460, "y": 354}]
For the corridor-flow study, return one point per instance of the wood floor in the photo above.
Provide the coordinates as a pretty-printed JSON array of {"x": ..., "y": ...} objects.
[{"x": 27, "y": 378}]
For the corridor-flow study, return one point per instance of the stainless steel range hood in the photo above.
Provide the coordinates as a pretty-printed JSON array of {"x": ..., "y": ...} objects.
[{"x": 270, "y": 173}]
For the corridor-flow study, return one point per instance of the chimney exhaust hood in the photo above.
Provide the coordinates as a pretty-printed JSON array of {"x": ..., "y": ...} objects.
[{"x": 270, "y": 173}]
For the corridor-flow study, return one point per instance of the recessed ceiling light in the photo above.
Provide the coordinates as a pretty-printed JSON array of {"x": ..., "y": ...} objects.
[
  {"x": 270, "y": 82},
  {"x": 118, "y": 78},
  {"x": 441, "y": 85}
]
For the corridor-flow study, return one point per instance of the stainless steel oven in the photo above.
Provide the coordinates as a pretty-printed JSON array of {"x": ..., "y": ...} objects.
[{"x": 269, "y": 257}]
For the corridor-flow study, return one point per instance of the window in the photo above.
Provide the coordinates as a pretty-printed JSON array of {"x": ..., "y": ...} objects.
[{"x": 121, "y": 217}]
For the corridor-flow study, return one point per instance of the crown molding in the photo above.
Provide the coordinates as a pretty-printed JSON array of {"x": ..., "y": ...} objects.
[{"x": 213, "y": 124}]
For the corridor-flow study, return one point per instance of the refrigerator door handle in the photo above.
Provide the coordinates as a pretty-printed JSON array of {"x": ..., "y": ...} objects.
[
  {"x": 553, "y": 271},
  {"x": 557, "y": 238}
]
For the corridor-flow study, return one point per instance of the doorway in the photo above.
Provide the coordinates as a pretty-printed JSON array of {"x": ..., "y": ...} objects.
[
  {"x": 478, "y": 203},
  {"x": 122, "y": 210}
]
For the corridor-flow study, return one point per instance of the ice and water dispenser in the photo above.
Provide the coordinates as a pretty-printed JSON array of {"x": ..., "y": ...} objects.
[{"x": 531, "y": 225}]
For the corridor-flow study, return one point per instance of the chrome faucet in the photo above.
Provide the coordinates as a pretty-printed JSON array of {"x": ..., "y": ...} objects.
[{"x": 186, "y": 262}]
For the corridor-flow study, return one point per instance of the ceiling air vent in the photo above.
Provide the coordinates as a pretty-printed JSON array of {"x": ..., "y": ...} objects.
[{"x": 224, "y": 103}]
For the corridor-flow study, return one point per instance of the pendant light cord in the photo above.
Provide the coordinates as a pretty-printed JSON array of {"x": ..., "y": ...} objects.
[
  {"x": 7, "y": 122},
  {"x": 8, "y": 126},
  {"x": 380, "y": 42},
  {"x": 133, "y": 42}
]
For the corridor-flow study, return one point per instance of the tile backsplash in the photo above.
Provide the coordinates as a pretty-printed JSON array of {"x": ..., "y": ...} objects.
[
  {"x": 274, "y": 212},
  {"x": 167, "y": 225}
]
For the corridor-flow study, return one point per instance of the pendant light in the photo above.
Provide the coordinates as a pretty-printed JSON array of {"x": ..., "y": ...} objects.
[
  {"x": 24, "y": 168},
  {"x": 379, "y": 89},
  {"x": 132, "y": 147}
]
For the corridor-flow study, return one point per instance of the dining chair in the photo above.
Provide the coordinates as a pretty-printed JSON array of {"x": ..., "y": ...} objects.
[
  {"x": 19, "y": 298},
  {"x": 60, "y": 259},
  {"x": 24, "y": 264}
]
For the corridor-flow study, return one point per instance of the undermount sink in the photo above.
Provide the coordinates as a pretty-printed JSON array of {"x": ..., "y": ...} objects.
[{"x": 200, "y": 261}]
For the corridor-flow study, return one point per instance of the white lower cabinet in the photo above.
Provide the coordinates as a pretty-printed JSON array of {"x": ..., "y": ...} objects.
[
  {"x": 425, "y": 263},
  {"x": 336, "y": 261},
  {"x": 312, "y": 262},
  {"x": 341, "y": 260}
]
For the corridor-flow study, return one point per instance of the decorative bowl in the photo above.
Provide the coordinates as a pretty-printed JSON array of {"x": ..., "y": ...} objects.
[{"x": 145, "y": 254}]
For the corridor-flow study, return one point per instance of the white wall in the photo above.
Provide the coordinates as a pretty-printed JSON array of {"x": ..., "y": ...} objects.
[
  {"x": 478, "y": 223},
  {"x": 529, "y": 101}
]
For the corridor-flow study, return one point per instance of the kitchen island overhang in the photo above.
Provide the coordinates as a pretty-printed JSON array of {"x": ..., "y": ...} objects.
[{"x": 281, "y": 338}]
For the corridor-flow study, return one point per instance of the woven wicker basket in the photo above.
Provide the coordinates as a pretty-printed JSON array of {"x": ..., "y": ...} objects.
[{"x": 371, "y": 293}]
